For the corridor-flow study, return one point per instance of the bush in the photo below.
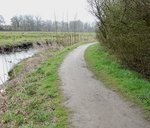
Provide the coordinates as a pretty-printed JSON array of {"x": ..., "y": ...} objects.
[{"x": 124, "y": 28}]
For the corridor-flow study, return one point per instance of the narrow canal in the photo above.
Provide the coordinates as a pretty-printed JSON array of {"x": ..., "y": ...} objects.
[{"x": 7, "y": 62}]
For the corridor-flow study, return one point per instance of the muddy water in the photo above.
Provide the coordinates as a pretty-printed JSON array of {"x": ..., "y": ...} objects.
[{"x": 7, "y": 61}]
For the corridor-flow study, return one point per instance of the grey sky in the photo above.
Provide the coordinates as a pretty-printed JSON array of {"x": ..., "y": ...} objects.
[{"x": 46, "y": 9}]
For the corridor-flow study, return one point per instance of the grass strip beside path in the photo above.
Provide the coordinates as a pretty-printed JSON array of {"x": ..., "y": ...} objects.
[
  {"x": 37, "y": 102},
  {"x": 129, "y": 83}
]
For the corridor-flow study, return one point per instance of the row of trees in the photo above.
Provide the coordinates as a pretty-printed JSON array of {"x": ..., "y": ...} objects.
[
  {"x": 35, "y": 23},
  {"x": 124, "y": 29}
]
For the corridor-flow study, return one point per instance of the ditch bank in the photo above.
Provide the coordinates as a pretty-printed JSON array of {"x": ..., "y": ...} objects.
[
  {"x": 8, "y": 61},
  {"x": 32, "y": 97},
  {"x": 10, "y": 56},
  {"x": 7, "y": 49}
]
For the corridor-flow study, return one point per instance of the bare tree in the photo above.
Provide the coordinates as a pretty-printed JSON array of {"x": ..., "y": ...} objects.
[
  {"x": 15, "y": 22},
  {"x": 38, "y": 23},
  {"x": 2, "y": 21},
  {"x": 35, "y": 23}
]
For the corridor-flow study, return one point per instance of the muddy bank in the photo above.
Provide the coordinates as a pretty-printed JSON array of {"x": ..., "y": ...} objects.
[
  {"x": 16, "y": 48},
  {"x": 7, "y": 49}
]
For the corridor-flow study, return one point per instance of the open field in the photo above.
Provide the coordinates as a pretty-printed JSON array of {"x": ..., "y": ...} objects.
[
  {"x": 16, "y": 38},
  {"x": 119, "y": 78}
]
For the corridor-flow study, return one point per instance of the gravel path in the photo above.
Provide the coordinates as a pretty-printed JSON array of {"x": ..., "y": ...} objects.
[{"x": 92, "y": 105}]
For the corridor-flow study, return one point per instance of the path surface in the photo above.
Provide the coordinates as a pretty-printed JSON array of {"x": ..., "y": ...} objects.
[{"x": 92, "y": 105}]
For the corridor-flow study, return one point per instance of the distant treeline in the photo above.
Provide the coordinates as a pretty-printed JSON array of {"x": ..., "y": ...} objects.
[{"x": 36, "y": 23}]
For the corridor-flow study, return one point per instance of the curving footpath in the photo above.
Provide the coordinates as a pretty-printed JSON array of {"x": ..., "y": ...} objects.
[{"x": 92, "y": 105}]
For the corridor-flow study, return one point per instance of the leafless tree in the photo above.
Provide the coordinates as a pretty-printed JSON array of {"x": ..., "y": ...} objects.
[{"x": 2, "y": 21}]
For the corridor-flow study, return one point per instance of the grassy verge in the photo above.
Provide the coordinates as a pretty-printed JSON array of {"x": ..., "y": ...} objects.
[
  {"x": 37, "y": 102},
  {"x": 115, "y": 76}
]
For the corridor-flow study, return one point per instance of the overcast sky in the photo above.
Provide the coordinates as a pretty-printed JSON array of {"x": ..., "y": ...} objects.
[{"x": 46, "y": 9}]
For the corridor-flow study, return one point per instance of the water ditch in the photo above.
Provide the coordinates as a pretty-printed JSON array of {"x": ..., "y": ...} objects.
[{"x": 8, "y": 61}]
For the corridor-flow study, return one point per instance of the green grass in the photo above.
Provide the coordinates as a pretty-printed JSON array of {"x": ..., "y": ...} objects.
[
  {"x": 129, "y": 83},
  {"x": 15, "y": 38},
  {"x": 12, "y": 38},
  {"x": 37, "y": 102}
]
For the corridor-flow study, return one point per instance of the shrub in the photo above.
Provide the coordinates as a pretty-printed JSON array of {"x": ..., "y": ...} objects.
[{"x": 124, "y": 29}]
